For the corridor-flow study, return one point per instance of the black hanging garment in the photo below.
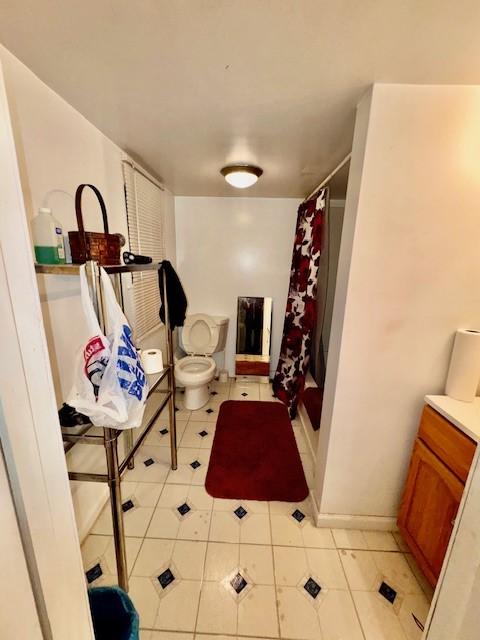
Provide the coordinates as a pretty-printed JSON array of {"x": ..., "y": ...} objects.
[{"x": 176, "y": 298}]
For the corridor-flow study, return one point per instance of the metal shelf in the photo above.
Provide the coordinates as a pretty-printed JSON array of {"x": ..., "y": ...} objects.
[
  {"x": 74, "y": 269},
  {"x": 89, "y": 434},
  {"x": 84, "y": 462},
  {"x": 131, "y": 439}
]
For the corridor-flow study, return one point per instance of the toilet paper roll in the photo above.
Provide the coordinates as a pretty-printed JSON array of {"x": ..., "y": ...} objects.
[
  {"x": 152, "y": 360},
  {"x": 464, "y": 371}
]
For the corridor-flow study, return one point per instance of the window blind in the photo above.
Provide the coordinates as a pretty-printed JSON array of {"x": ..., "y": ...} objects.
[{"x": 145, "y": 202}]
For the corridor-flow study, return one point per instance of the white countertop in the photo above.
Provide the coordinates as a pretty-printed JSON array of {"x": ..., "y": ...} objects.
[{"x": 464, "y": 415}]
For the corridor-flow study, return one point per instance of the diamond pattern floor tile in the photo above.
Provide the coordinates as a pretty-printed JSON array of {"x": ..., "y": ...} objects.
[{"x": 215, "y": 569}]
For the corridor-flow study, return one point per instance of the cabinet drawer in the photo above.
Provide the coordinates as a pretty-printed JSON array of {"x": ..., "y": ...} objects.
[{"x": 454, "y": 448}]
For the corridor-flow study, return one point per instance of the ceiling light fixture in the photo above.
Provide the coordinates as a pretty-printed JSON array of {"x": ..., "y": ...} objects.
[{"x": 241, "y": 176}]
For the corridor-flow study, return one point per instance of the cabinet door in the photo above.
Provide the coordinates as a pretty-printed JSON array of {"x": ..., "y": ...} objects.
[{"x": 429, "y": 506}]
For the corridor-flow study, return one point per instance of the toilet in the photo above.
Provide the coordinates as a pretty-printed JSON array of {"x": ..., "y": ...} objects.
[{"x": 202, "y": 335}]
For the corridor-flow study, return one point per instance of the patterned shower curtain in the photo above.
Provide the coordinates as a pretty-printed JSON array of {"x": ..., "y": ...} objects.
[{"x": 301, "y": 311}]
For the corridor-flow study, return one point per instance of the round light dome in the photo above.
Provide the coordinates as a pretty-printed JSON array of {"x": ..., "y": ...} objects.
[{"x": 241, "y": 176}]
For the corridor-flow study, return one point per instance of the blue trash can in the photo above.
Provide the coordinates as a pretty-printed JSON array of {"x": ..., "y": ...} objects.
[{"x": 113, "y": 614}]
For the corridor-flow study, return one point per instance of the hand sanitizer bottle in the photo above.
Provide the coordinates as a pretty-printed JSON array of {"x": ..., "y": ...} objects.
[{"x": 48, "y": 238}]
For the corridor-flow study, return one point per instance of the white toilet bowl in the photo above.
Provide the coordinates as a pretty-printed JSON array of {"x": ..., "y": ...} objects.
[
  {"x": 202, "y": 335},
  {"x": 194, "y": 373}
]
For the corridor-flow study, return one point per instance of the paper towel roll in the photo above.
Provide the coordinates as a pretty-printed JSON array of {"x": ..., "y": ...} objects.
[
  {"x": 152, "y": 360},
  {"x": 464, "y": 371}
]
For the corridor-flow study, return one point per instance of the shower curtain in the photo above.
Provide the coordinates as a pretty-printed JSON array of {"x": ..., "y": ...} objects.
[{"x": 301, "y": 311}]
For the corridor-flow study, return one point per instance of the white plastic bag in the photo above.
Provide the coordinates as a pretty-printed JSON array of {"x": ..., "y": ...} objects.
[{"x": 110, "y": 386}]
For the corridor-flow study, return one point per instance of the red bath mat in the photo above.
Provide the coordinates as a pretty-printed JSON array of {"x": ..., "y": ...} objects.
[{"x": 254, "y": 454}]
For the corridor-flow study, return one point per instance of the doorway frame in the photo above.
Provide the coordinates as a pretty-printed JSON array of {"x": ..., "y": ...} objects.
[{"x": 30, "y": 434}]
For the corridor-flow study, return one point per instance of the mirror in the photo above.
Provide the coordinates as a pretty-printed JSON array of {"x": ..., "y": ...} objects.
[{"x": 254, "y": 321}]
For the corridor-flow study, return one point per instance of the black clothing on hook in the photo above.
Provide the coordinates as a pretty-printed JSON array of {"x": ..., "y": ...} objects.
[{"x": 176, "y": 298}]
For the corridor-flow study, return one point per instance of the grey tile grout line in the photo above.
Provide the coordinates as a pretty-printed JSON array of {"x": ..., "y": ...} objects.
[
  {"x": 141, "y": 547},
  {"x": 371, "y": 591},
  {"x": 237, "y": 603},
  {"x": 277, "y": 601},
  {"x": 427, "y": 596},
  {"x": 205, "y": 561},
  {"x": 174, "y": 540},
  {"x": 187, "y": 487},
  {"x": 204, "y": 564},
  {"x": 139, "y": 537},
  {"x": 310, "y": 571},
  {"x": 351, "y": 594},
  {"x": 257, "y": 544},
  {"x": 217, "y": 635},
  {"x": 150, "y": 519}
]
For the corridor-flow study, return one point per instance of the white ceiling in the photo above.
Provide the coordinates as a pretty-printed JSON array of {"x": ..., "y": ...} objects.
[{"x": 187, "y": 86}]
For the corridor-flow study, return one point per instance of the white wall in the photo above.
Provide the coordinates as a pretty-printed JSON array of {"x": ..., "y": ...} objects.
[
  {"x": 230, "y": 247},
  {"x": 408, "y": 277},
  {"x": 57, "y": 150}
]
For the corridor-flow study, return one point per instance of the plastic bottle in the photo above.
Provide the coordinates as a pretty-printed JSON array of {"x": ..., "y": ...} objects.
[
  {"x": 67, "y": 248},
  {"x": 48, "y": 238}
]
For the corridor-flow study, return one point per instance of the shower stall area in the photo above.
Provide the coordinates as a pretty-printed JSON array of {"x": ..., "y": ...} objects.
[{"x": 311, "y": 400}]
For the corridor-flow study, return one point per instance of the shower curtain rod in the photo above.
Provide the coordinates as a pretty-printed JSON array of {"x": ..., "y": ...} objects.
[{"x": 330, "y": 176}]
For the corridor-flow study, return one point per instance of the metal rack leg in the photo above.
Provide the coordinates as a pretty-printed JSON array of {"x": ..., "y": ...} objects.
[
  {"x": 171, "y": 379},
  {"x": 128, "y": 435},
  {"x": 172, "y": 420},
  {"x": 171, "y": 403},
  {"x": 116, "y": 504}
]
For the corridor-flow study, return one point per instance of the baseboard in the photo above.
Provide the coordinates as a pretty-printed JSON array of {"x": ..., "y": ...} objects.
[
  {"x": 311, "y": 436},
  {"x": 307, "y": 429},
  {"x": 241, "y": 378},
  {"x": 88, "y": 507},
  {"x": 315, "y": 509},
  {"x": 341, "y": 521}
]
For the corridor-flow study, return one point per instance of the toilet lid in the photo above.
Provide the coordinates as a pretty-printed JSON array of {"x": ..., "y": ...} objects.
[{"x": 200, "y": 335}]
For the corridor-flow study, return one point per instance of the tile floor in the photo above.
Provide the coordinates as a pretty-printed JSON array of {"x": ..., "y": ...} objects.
[{"x": 211, "y": 568}]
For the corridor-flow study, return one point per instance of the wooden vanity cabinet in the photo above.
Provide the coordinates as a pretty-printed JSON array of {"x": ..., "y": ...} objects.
[{"x": 439, "y": 466}]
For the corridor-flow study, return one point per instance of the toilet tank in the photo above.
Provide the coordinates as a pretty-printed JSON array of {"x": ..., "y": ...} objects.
[{"x": 222, "y": 324}]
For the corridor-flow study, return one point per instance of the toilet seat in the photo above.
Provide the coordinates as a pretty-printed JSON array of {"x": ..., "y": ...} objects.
[{"x": 200, "y": 334}]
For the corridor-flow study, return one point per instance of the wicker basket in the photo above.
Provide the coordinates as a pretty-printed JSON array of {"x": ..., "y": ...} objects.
[{"x": 90, "y": 245}]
